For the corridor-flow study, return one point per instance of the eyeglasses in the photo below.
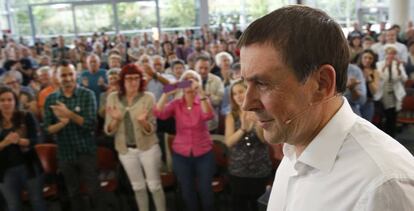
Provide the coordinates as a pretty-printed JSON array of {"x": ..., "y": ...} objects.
[
  {"x": 11, "y": 83},
  {"x": 132, "y": 78}
]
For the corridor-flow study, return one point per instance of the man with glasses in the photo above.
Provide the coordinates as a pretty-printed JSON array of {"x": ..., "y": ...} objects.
[{"x": 70, "y": 114}]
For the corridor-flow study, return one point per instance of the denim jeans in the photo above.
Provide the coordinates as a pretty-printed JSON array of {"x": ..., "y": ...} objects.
[
  {"x": 367, "y": 110},
  {"x": 83, "y": 170},
  {"x": 190, "y": 169},
  {"x": 14, "y": 181}
]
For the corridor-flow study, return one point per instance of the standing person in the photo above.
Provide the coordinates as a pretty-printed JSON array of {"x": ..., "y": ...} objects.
[
  {"x": 51, "y": 84},
  {"x": 334, "y": 159},
  {"x": 391, "y": 91},
  {"x": 250, "y": 165},
  {"x": 94, "y": 78},
  {"x": 70, "y": 114},
  {"x": 356, "y": 92},
  {"x": 19, "y": 165},
  {"x": 192, "y": 146},
  {"x": 177, "y": 68},
  {"x": 224, "y": 60},
  {"x": 129, "y": 116},
  {"x": 367, "y": 62},
  {"x": 212, "y": 86},
  {"x": 355, "y": 47},
  {"x": 113, "y": 86}
]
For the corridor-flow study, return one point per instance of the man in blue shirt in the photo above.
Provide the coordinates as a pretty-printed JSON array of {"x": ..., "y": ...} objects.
[
  {"x": 94, "y": 78},
  {"x": 356, "y": 91}
]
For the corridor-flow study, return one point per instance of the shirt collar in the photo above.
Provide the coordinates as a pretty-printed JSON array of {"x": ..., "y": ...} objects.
[
  {"x": 322, "y": 151},
  {"x": 75, "y": 92},
  {"x": 196, "y": 100}
]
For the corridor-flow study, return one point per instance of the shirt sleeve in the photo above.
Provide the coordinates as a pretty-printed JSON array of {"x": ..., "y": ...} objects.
[
  {"x": 394, "y": 194},
  {"x": 355, "y": 72},
  {"x": 88, "y": 111},
  {"x": 217, "y": 93},
  {"x": 32, "y": 129},
  {"x": 209, "y": 115},
  {"x": 167, "y": 112},
  {"x": 109, "y": 102},
  {"x": 49, "y": 118}
]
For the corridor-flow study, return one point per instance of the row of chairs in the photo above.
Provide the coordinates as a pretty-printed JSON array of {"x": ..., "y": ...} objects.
[{"x": 107, "y": 166}]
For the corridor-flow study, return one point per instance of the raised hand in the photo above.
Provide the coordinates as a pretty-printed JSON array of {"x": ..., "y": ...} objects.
[
  {"x": 35, "y": 86},
  {"x": 12, "y": 138},
  {"x": 148, "y": 70},
  {"x": 246, "y": 121},
  {"x": 85, "y": 82},
  {"x": 114, "y": 112},
  {"x": 64, "y": 120},
  {"x": 142, "y": 118},
  {"x": 101, "y": 81},
  {"x": 60, "y": 110},
  {"x": 352, "y": 83}
]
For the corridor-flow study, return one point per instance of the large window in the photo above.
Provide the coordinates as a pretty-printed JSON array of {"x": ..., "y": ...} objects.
[
  {"x": 136, "y": 15},
  {"x": 94, "y": 18},
  {"x": 53, "y": 19},
  {"x": 21, "y": 21},
  {"x": 257, "y": 8},
  {"x": 177, "y": 13},
  {"x": 221, "y": 12},
  {"x": 240, "y": 11}
]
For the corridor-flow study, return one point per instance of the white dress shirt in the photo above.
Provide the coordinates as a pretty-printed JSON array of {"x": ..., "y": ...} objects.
[{"x": 349, "y": 165}]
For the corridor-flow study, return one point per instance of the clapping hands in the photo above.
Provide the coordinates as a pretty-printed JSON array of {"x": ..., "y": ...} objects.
[
  {"x": 114, "y": 112},
  {"x": 247, "y": 120},
  {"x": 142, "y": 118},
  {"x": 61, "y": 112}
]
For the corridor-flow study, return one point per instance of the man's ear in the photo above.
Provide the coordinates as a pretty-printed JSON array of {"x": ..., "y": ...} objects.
[{"x": 325, "y": 78}]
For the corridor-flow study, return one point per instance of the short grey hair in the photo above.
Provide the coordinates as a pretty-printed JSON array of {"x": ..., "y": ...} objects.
[
  {"x": 158, "y": 57},
  {"x": 192, "y": 73},
  {"x": 113, "y": 71},
  {"x": 218, "y": 57},
  {"x": 10, "y": 74},
  {"x": 44, "y": 69}
]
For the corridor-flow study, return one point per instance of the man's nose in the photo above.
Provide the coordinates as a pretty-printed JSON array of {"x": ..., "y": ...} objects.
[{"x": 250, "y": 102}]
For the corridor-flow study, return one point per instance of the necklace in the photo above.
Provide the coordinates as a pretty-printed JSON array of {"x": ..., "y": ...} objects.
[{"x": 189, "y": 107}]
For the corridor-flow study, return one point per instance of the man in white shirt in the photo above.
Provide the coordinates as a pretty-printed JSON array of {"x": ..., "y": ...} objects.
[{"x": 334, "y": 160}]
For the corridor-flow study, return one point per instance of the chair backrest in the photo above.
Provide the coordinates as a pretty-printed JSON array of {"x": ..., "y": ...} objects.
[
  {"x": 220, "y": 153},
  {"x": 409, "y": 83},
  {"x": 106, "y": 159},
  {"x": 408, "y": 103},
  {"x": 47, "y": 157}
]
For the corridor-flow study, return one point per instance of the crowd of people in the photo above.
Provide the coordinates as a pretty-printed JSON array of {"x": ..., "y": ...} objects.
[{"x": 135, "y": 89}]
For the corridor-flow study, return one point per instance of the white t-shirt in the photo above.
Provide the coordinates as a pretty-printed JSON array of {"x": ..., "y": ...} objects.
[{"x": 349, "y": 165}]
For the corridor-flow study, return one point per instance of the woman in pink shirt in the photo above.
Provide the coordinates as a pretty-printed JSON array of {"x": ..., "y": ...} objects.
[{"x": 192, "y": 147}]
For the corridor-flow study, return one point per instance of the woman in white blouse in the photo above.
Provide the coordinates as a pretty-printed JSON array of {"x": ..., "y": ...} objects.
[{"x": 391, "y": 91}]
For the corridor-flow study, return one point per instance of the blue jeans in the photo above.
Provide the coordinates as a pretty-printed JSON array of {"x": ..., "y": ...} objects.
[
  {"x": 14, "y": 181},
  {"x": 187, "y": 170},
  {"x": 367, "y": 110}
]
